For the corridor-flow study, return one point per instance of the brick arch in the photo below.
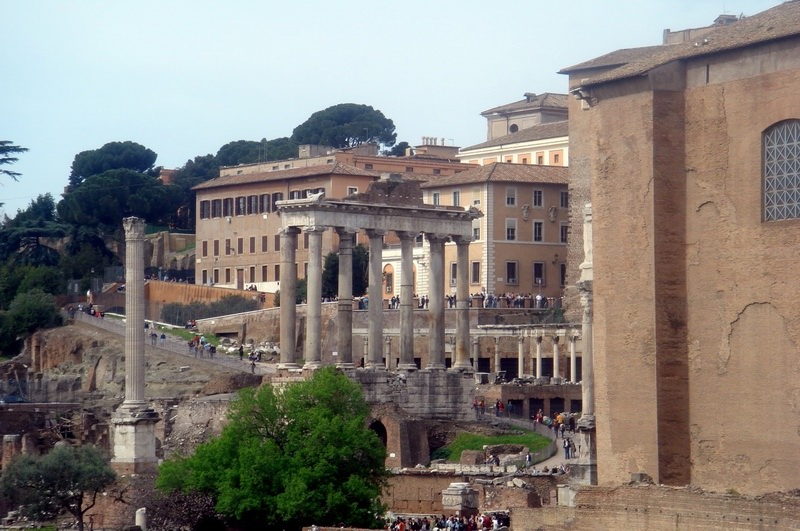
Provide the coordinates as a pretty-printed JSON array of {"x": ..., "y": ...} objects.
[{"x": 377, "y": 426}]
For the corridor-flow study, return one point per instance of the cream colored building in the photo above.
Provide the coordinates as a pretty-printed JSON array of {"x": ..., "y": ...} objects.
[{"x": 519, "y": 246}]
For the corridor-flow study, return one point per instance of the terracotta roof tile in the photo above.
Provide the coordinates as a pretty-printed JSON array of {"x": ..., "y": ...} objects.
[
  {"x": 504, "y": 172},
  {"x": 529, "y": 134},
  {"x": 546, "y": 100},
  {"x": 336, "y": 168},
  {"x": 780, "y": 22}
]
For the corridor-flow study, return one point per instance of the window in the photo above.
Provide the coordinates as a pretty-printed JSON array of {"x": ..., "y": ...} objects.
[
  {"x": 781, "y": 171},
  {"x": 216, "y": 208},
  {"x": 457, "y": 198},
  {"x": 476, "y": 196},
  {"x": 277, "y": 196},
  {"x": 564, "y": 199},
  {"x": 275, "y": 167},
  {"x": 453, "y": 273},
  {"x": 216, "y": 247},
  {"x": 216, "y": 276},
  {"x": 389, "y": 281},
  {"x": 563, "y": 274},
  {"x": 513, "y": 129},
  {"x": 437, "y": 171},
  {"x": 241, "y": 205},
  {"x": 227, "y": 206},
  {"x": 205, "y": 248},
  {"x": 252, "y": 273},
  {"x": 511, "y": 196},
  {"x": 277, "y": 272},
  {"x": 367, "y": 166},
  {"x": 252, "y": 204},
  {"x": 263, "y": 204},
  {"x": 205, "y": 209},
  {"x": 511, "y": 273},
  {"x": 240, "y": 245},
  {"x": 409, "y": 169},
  {"x": 352, "y": 190},
  {"x": 264, "y": 271},
  {"x": 475, "y": 273},
  {"x": 540, "y": 159},
  {"x": 264, "y": 244},
  {"x": 227, "y": 275},
  {"x": 476, "y": 233},
  {"x": 204, "y": 276},
  {"x": 538, "y": 228},
  {"x": 228, "y": 249},
  {"x": 538, "y": 274},
  {"x": 511, "y": 229},
  {"x": 435, "y": 198},
  {"x": 556, "y": 158},
  {"x": 524, "y": 160},
  {"x": 564, "y": 232},
  {"x": 287, "y": 166},
  {"x": 537, "y": 198},
  {"x": 277, "y": 242},
  {"x": 305, "y": 240},
  {"x": 252, "y": 246},
  {"x": 296, "y": 194}
]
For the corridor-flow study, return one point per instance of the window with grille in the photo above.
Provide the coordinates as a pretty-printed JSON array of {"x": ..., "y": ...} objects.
[
  {"x": 511, "y": 229},
  {"x": 227, "y": 206},
  {"x": 537, "y": 198},
  {"x": 782, "y": 171},
  {"x": 511, "y": 273},
  {"x": 241, "y": 205},
  {"x": 538, "y": 231},
  {"x": 216, "y": 208},
  {"x": 205, "y": 209}
]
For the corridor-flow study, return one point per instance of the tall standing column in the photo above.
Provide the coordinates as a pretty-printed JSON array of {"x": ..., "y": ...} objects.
[
  {"x": 538, "y": 356},
  {"x": 497, "y": 354},
  {"x": 461, "y": 361},
  {"x": 375, "y": 310},
  {"x": 288, "y": 289},
  {"x": 134, "y": 312},
  {"x": 388, "y": 352},
  {"x": 406, "y": 300},
  {"x": 521, "y": 355},
  {"x": 436, "y": 305},
  {"x": 556, "y": 369},
  {"x": 313, "y": 349},
  {"x": 344, "y": 316},
  {"x": 573, "y": 359},
  {"x": 476, "y": 352}
]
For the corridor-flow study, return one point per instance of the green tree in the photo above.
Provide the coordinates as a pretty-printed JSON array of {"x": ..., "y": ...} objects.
[
  {"x": 21, "y": 238},
  {"x": 112, "y": 156},
  {"x": 398, "y": 150},
  {"x": 32, "y": 310},
  {"x": 251, "y": 151},
  {"x": 330, "y": 272},
  {"x": 346, "y": 125},
  {"x": 7, "y": 152},
  {"x": 291, "y": 457},
  {"x": 67, "y": 478}
]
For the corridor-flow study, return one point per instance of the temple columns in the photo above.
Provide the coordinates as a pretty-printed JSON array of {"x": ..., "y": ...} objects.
[
  {"x": 521, "y": 355},
  {"x": 344, "y": 316},
  {"x": 313, "y": 347},
  {"x": 436, "y": 312},
  {"x": 461, "y": 361},
  {"x": 573, "y": 359},
  {"x": 407, "y": 300},
  {"x": 538, "y": 356},
  {"x": 556, "y": 369},
  {"x": 375, "y": 308},
  {"x": 288, "y": 289},
  {"x": 496, "y": 354}
]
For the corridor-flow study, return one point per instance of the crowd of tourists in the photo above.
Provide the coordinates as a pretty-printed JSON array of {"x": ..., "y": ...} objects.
[{"x": 479, "y": 522}]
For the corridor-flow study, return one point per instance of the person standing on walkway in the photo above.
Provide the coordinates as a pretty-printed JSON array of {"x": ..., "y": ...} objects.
[
  {"x": 565, "y": 444},
  {"x": 241, "y": 352}
]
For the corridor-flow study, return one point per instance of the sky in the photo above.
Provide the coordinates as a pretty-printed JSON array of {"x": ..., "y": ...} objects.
[{"x": 185, "y": 77}]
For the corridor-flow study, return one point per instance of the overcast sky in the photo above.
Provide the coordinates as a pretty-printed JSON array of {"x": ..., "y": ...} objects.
[{"x": 184, "y": 77}]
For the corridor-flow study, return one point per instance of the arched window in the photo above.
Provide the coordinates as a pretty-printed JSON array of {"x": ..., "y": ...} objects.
[
  {"x": 782, "y": 171},
  {"x": 513, "y": 129}
]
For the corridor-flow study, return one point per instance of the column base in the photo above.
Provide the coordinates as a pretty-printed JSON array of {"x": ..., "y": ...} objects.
[
  {"x": 345, "y": 365},
  {"x": 312, "y": 365},
  {"x": 436, "y": 367},
  {"x": 134, "y": 442},
  {"x": 407, "y": 367},
  {"x": 466, "y": 367},
  {"x": 288, "y": 366}
]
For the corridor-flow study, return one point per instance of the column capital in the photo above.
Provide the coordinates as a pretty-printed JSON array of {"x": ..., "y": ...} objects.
[
  {"x": 436, "y": 238},
  {"x": 406, "y": 235},
  {"x": 134, "y": 228},
  {"x": 375, "y": 233},
  {"x": 461, "y": 240},
  {"x": 289, "y": 231},
  {"x": 314, "y": 228},
  {"x": 342, "y": 231}
]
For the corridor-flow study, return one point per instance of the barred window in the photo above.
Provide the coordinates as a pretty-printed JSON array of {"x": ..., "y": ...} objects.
[{"x": 782, "y": 171}]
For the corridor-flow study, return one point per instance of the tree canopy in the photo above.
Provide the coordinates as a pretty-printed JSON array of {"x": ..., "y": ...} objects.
[
  {"x": 112, "y": 156},
  {"x": 7, "y": 152},
  {"x": 346, "y": 125},
  {"x": 290, "y": 457},
  {"x": 67, "y": 478}
]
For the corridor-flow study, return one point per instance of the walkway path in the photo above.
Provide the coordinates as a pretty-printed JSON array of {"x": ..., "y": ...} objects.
[{"x": 175, "y": 346}]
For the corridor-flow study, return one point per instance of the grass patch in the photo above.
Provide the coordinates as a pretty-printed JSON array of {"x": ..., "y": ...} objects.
[{"x": 473, "y": 441}]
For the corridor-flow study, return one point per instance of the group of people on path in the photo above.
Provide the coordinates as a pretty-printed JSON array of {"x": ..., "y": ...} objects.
[{"x": 479, "y": 522}]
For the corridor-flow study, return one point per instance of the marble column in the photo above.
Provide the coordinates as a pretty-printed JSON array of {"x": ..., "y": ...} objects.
[
  {"x": 134, "y": 313},
  {"x": 344, "y": 315},
  {"x": 388, "y": 352},
  {"x": 288, "y": 289},
  {"x": 476, "y": 352},
  {"x": 573, "y": 359},
  {"x": 556, "y": 369},
  {"x": 436, "y": 305},
  {"x": 406, "y": 300},
  {"x": 539, "y": 356},
  {"x": 375, "y": 310},
  {"x": 521, "y": 355},
  {"x": 313, "y": 348},
  {"x": 461, "y": 361},
  {"x": 496, "y": 354},
  {"x": 134, "y": 438},
  {"x": 587, "y": 355}
]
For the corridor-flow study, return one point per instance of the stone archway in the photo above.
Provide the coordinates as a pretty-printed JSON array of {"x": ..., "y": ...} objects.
[{"x": 377, "y": 426}]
